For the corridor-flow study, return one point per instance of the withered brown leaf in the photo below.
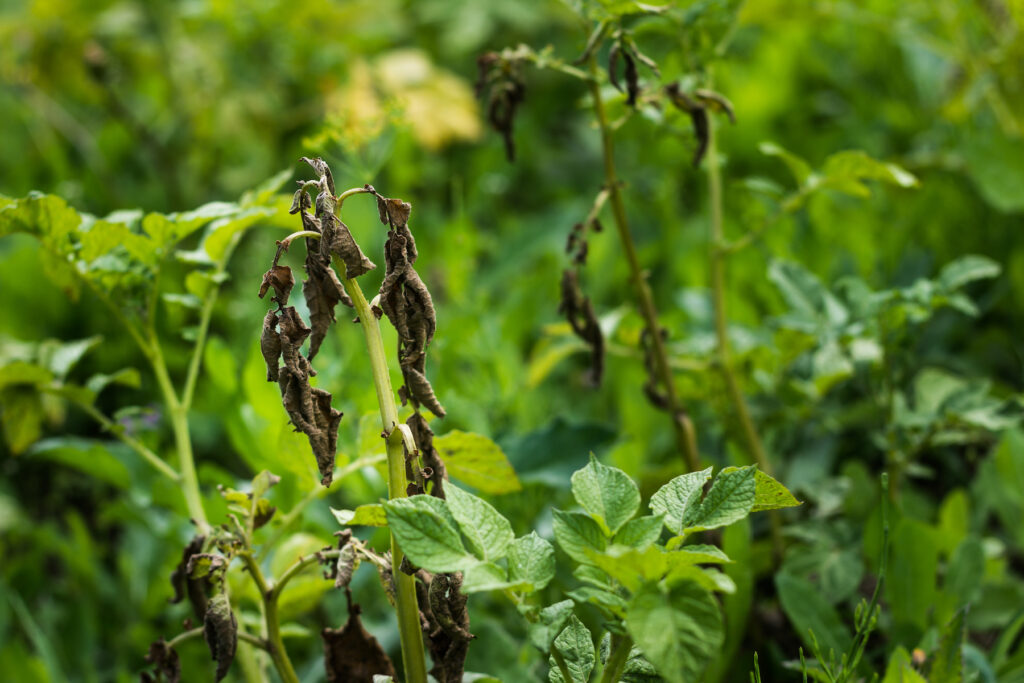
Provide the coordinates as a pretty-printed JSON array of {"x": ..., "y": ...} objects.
[
  {"x": 579, "y": 312},
  {"x": 337, "y": 240},
  {"x": 445, "y": 622},
  {"x": 406, "y": 302},
  {"x": 220, "y": 630},
  {"x": 270, "y": 345},
  {"x": 281, "y": 279},
  {"x": 195, "y": 589},
  {"x": 352, "y": 655},
  {"x": 437, "y": 474},
  {"x": 166, "y": 665}
]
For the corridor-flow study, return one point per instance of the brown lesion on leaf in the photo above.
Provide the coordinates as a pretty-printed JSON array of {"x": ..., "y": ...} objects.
[
  {"x": 351, "y": 653},
  {"x": 624, "y": 48},
  {"x": 499, "y": 75},
  {"x": 445, "y": 622},
  {"x": 184, "y": 585},
  {"x": 697, "y": 104},
  {"x": 406, "y": 302},
  {"x": 166, "y": 665}
]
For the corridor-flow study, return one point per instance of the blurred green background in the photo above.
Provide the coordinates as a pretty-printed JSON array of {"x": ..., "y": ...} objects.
[{"x": 164, "y": 106}]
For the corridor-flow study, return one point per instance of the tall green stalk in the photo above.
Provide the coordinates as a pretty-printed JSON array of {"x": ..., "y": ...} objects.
[
  {"x": 413, "y": 657},
  {"x": 682, "y": 426}
]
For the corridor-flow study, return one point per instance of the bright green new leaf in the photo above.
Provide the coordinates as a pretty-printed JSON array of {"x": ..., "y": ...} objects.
[
  {"x": 531, "y": 561},
  {"x": 606, "y": 493},
  {"x": 769, "y": 494},
  {"x": 485, "y": 576},
  {"x": 577, "y": 649},
  {"x": 365, "y": 515},
  {"x": 489, "y": 534},
  {"x": 677, "y": 631},
  {"x": 673, "y": 500},
  {"x": 730, "y": 499},
  {"x": 577, "y": 534},
  {"x": 428, "y": 534},
  {"x": 640, "y": 532},
  {"x": 477, "y": 461},
  {"x": 550, "y": 622}
]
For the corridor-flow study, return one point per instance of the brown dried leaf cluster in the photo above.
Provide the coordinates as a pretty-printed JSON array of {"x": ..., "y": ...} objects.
[
  {"x": 434, "y": 470},
  {"x": 309, "y": 407},
  {"x": 407, "y": 304},
  {"x": 220, "y": 630},
  {"x": 183, "y": 584},
  {"x": 445, "y": 622},
  {"x": 579, "y": 312},
  {"x": 625, "y": 49},
  {"x": 166, "y": 665},
  {"x": 655, "y": 395},
  {"x": 351, "y": 654},
  {"x": 507, "y": 92},
  {"x": 697, "y": 106}
]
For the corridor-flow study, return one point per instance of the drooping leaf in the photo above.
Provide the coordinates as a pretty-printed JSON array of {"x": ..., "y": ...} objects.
[
  {"x": 352, "y": 654},
  {"x": 220, "y": 630}
]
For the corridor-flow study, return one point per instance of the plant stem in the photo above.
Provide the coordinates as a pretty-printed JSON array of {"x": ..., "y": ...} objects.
[
  {"x": 297, "y": 567},
  {"x": 717, "y": 256},
  {"x": 198, "y": 631},
  {"x": 272, "y": 622},
  {"x": 686, "y": 439},
  {"x": 183, "y": 441},
  {"x": 411, "y": 636},
  {"x": 620, "y": 647}
]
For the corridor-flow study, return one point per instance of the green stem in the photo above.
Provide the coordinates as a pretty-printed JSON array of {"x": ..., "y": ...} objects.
[
  {"x": 198, "y": 632},
  {"x": 717, "y": 256},
  {"x": 413, "y": 657},
  {"x": 118, "y": 432},
  {"x": 300, "y": 564},
  {"x": 196, "y": 362},
  {"x": 620, "y": 647},
  {"x": 183, "y": 441},
  {"x": 272, "y": 621},
  {"x": 682, "y": 426}
]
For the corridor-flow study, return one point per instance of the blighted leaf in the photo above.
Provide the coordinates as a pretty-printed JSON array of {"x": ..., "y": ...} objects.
[
  {"x": 477, "y": 461},
  {"x": 447, "y": 620},
  {"x": 309, "y": 408},
  {"x": 499, "y": 75},
  {"x": 281, "y": 279},
  {"x": 337, "y": 241},
  {"x": 220, "y": 630},
  {"x": 351, "y": 654},
  {"x": 182, "y": 584},
  {"x": 406, "y": 302},
  {"x": 202, "y": 565},
  {"x": 579, "y": 312},
  {"x": 263, "y": 513},
  {"x": 434, "y": 468},
  {"x": 323, "y": 291},
  {"x": 320, "y": 167},
  {"x": 348, "y": 562},
  {"x": 166, "y": 665},
  {"x": 270, "y": 345}
]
